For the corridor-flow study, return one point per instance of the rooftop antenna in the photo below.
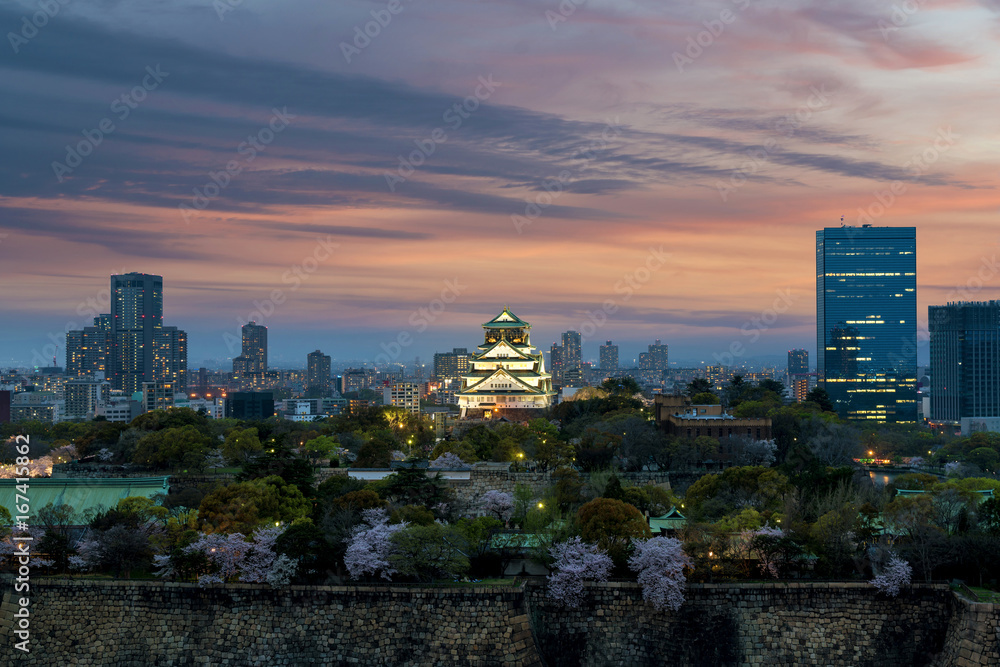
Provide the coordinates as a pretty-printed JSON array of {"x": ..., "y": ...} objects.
[{"x": 841, "y": 220}]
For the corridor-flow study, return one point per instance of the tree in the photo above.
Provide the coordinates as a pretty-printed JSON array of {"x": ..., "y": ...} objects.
[
  {"x": 660, "y": 563},
  {"x": 232, "y": 557},
  {"x": 612, "y": 524},
  {"x": 895, "y": 575},
  {"x": 376, "y": 453},
  {"x": 55, "y": 542},
  {"x": 121, "y": 549},
  {"x": 498, "y": 504},
  {"x": 177, "y": 446},
  {"x": 246, "y": 506},
  {"x": 370, "y": 546},
  {"x": 698, "y": 386},
  {"x": 625, "y": 385},
  {"x": 282, "y": 462},
  {"x": 321, "y": 447},
  {"x": 820, "y": 397},
  {"x": 449, "y": 461},
  {"x": 705, "y": 398},
  {"x": 241, "y": 444},
  {"x": 413, "y": 486},
  {"x": 429, "y": 552},
  {"x": 573, "y": 563}
]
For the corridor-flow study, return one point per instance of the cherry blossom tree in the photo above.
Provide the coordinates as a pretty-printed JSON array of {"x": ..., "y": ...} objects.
[
  {"x": 450, "y": 461},
  {"x": 894, "y": 575},
  {"x": 370, "y": 545},
  {"x": 11, "y": 547},
  {"x": 233, "y": 557},
  {"x": 660, "y": 562},
  {"x": 120, "y": 548},
  {"x": 575, "y": 561},
  {"x": 498, "y": 503}
]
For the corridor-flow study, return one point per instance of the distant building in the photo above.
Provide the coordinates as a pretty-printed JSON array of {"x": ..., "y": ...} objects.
[
  {"x": 657, "y": 357},
  {"x": 403, "y": 395},
  {"x": 866, "y": 321},
  {"x": 81, "y": 397},
  {"x": 158, "y": 395},
  {"x": 609, "y": 357},
  {"x": 130, "y": 345},
  {"x": 118, "y": 409},
  {"x": 965, "y": 363},
  {"x": 451, "y": 365},
  {"x": 556, "y": 363},
  {"x": 572, "y": 351},
  {"x": 4, "y": 406},
  {"x": 318, "y": 371},
  {"x": 250, "y": 368},
  {"x": 170, "y": 356},
  {"x": 798, "y": 362},
  {"x": 356, "y": 379},
  {"x": 250, "y": 405},
  {"x": 506, "y": 373},
  {"x": 676, "y": 415}
]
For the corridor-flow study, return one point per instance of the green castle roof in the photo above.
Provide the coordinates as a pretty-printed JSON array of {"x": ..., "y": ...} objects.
[{"x": 506, "y": 320}]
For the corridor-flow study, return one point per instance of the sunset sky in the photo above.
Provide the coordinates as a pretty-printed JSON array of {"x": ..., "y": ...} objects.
[{"x": 691, "y": 148}]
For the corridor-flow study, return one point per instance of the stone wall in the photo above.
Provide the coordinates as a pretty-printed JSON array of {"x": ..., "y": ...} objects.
[
  {"x": 746, "y": 624},
  {"x": 99, "y": 622},
  {"x": 91, "y": 622},
  {"x": 973, "y": 637}
]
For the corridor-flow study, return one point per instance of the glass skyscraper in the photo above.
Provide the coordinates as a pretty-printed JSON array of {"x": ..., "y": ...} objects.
[
  {"x": 965, "y": 360},
  {"x": 866, "y": 321}
]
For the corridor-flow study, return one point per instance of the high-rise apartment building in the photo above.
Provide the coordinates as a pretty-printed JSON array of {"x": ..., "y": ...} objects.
[
  {"x": 572, "y": 354},
  {"x": 658, "y": 356},
  {"x": 253, "y": 354},
  {"x": 81, "y": 397},
  {"x": 556, "y": 363},
  {"x": 866, "y": 321},
  {"x": 965, "y": 360},
  {"x": 798, "y": 362},
  {"x": 130, "y": 345},
  {"x": 170, "y": 357},
  {"x": 404, "y": 395},
  {"x": 451, "y": 365},
  {"x": 318, "y": 371},
  {"x": 609, "y": 357},
  {"x": 136, "y": 313}
]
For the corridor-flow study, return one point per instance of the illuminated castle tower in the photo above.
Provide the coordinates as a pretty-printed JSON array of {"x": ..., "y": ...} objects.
[{"x": 506, "y": 373}]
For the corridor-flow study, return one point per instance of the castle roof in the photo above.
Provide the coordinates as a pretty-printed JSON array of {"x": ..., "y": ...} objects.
[{"x": 506, "y": 320}]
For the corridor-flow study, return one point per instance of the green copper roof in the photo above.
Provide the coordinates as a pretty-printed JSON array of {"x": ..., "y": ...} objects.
[
  {"x": 81, "y": 493},
  {"x": 672, "y": 520},
  {"x": 506, "y": 319}
]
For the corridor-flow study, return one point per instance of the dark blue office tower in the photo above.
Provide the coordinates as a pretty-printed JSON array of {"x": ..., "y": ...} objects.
[{"x": 866, "y": 321}]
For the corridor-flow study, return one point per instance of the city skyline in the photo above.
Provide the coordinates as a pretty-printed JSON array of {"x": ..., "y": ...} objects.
[{"x": 622, "y": 154}]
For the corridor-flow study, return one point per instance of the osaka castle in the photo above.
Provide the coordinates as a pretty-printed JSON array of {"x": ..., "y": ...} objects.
[{"x": 506, "y": 373}]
